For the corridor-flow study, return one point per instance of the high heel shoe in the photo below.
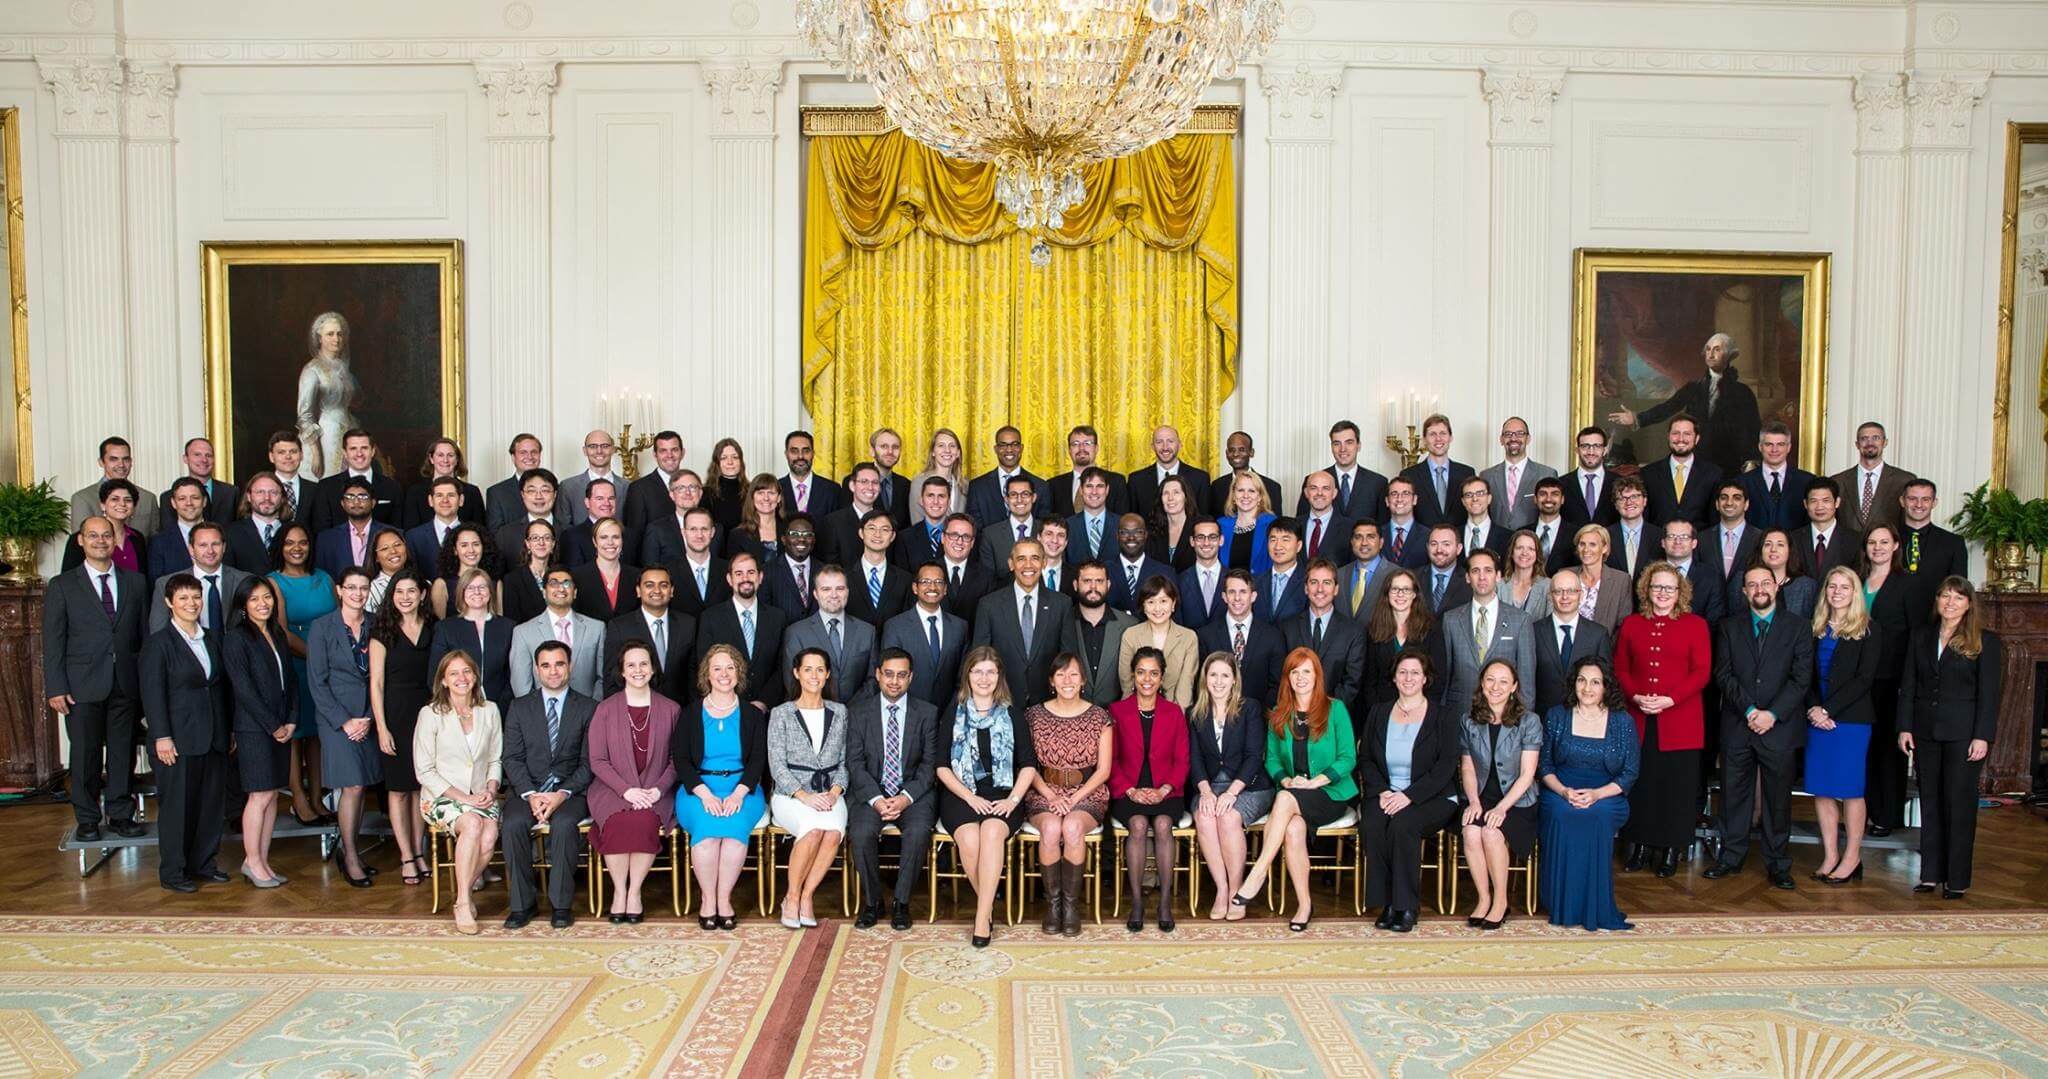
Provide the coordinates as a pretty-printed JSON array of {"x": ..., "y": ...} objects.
[
  {"x": 1855, "y": 875},
  {"x": 1136, "y": 922},
  {"x": 728, "y": 922},
  {"x": 356, "y": 882},
  {"x": 1822, "y": 874},
  {"x": 707, "y": 924},
  {"x": 1297, "y": 927}
]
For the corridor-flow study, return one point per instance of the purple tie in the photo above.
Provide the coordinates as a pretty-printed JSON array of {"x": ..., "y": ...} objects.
[
  {"x": 107, "y": 596},
  {"x": 1023, "y": 531},
  {"x": 1589, "y": 492}
]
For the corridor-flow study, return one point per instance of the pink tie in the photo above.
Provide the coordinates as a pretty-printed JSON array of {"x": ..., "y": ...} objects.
[
  {"x": 803, "y": 495},
  {"x": 562, "y": 632},
  {"x": 1727, "y": 552},
  {"x": 1514, "y": 481},
  {"x": 358, "y": 540}
]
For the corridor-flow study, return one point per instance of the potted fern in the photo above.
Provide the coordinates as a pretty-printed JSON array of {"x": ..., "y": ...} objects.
[
  {"x": 29, "y": 514},
  {"x": 2008, "y": 528}
]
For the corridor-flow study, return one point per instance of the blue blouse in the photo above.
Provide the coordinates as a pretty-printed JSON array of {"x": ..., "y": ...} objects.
[
  {"x": 1401, "y": 754},
  {"x": 1618, "y": 756}
]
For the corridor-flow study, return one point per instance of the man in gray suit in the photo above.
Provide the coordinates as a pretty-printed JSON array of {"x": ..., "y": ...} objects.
[
  {"x": 218, "y": 582},
  {"x": 849, "y": 641},
  {"x": 92, "y": 641},
  {"x": 583, "y": 634},
  {"x": 1561, "y": 636},
  {"x": 1505, "y": 630},
  {"x": 1026, "y": 624},
  {"x": 1870, "y": 488},
  {"x": 546, "y": 773},
  {"x": 1020, "y": 496},
  {"x": 116, "y": 461},
  {"x": 598, "y": 448},
  {"x": 934, "y": 637},
  {"x": 1513, "y": 480},
  {"x": 892, "y": 760},
  {"x": 1099, "y": 628}
]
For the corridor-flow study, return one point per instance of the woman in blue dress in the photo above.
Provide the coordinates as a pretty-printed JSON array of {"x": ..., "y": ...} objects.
[
  {"x": 308, "y": 596},
  {"x": 720, "y": 748},
  {"x": 1847, "y": 649},
  {"x": 1590, "y": 759}
]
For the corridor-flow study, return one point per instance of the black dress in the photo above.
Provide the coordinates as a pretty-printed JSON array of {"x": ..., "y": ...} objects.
[
  {"x": 1238, "y": 554},
  {"x": 1318, "y": 809},
  {"x": 405, "y": 693},
  {"x": 1171, "y": 808},
  {"x": 957, "y": 814}
]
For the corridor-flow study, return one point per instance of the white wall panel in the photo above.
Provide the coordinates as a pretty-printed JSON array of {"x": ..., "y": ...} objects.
[
  {"x": 1649, "y": 175},
  {"x": 327, "y": 166}
]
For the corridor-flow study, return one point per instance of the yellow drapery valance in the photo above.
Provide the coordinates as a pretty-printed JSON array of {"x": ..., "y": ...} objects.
[{"x": 922, "y": 311}]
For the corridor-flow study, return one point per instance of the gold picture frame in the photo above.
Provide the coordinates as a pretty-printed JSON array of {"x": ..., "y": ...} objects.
[
  {"x": 16, "y": 225},
  {"x": 1641, "y": 318},
  {"x": 2017, "y": 137},
  {"x": 402, "y": 302}
]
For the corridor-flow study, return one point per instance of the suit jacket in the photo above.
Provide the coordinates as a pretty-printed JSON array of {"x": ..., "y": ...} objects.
[
  {"x": 1602, "y": 511},
  {"x": 1942, "y": 554},
  {"x": 502, "y": 506},
  {"x": 1552, "y": 684},
  {"x": 1193, "y": 612},
  {"x": 997, "y": 538},
  {"x": 416, "y": 509},
  {"x": 1788, "y": 509},
  {"x": 1884, "y": 500},
  {"x": 1428, "y": 509},
  {"x": 423, "y": 539},
  {"x": 647, "y": 499},
  {"x": 1375, "y": 574},
  {"x": 1265, "y": 650},
  {"x": 246, "y": 550},
  {"x": 1709, "y": 589},
  {"x": 511, "y": 538},
  {"x": 1368, "y": 498},
  {"x": 824, "y": 496},
  {"x": 386, "y": 499},
  {"x": 1772, "y": 675},
  {"x": 1508, "y": 638},
  {"x": 181, "y": 700},
  {"x": 85, "y": 502},
  {"x": 230, "y": 582},
  {"x": 674, "y": 676},
  {"x": 340, "y": 692},
  {"x": 1079, "y": 549},
  {"x": 720, "y": 624},
  {"x": 975, "y": 582},
  {"x": 1123, "y": 593},
  {"x": 86, "y": 655},
  {"x": 532, "y": 764},
  {"x": 1852, "y": 673},
  {"x": 1649, "y": 548},
  {"x": 1144, "y": 487},
  {"x": 493, "y": 652},
  {"x": 1728, "y": 431},
  {"x": 661, "y": 541},
  {"x": 688, "y": 599},
  {"x": 590, "y": 595},
  {"x": 264, "y": 691},
  {"x": 895, "y": 592},
  {"x": 866, "y": 743},
  {"x": 1495, "y": 540},
  {"x": 1292, "y": 600},
  {"x": 1433, "y": 763},
  {"x": 853, "y": 670},
  {"x": 1523, "y": 512},
  {"x": 1239, "y": 755},
  {"x": 1845, "y": 548},
  {"x": 221, "y": 502},
  {"x": 1181, "y": 669},
  {"x": 1950, "y": 697},
  {"x": 569, "y": 496},
  {"x": 779, "y": 586},
  {"x": 793, "y": 765},
  {"x": 1665, "y": 506},
  {"x": 935, "y": 682},
  {"x": 985, "y": 501},
  {"x": 334, "y": 551},
  {"x": 1027, "y": 664},
  {"x": 609, "y": 742},
  {"x": 838, "y": 535},
  {"x": 1414, "y": 545},
  {"x": 1456, "y": 591},
  {"x": 1102, "y": 682},
  {"x": 443, "y": 757},
  {"x": 1342, "y": 652},
  {"x": 895, "y": 496},
  {"x": 1616, "y": 599},
  {"x": 1219, "y": 489},
  {"x": 1336, "y": 539},
  {"x": 1065, "y": 498},
  {"x": 169, "y": 552},
  {"x": 586, "y": 652},
  {"x": 1382, "y": 656},
  {"x": 1713, "y": 546},
  {"x": 915, "y": 546}
]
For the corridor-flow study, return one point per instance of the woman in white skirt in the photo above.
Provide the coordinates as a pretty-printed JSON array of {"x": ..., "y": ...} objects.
[{"x": 807, "y": 764}]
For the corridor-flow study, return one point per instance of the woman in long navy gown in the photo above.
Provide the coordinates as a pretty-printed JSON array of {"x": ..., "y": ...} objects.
[{"x": 1590, "y": 759}]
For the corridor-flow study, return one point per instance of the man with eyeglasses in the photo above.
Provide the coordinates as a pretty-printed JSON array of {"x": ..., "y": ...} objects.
[
  {"x": 1019, "y": 521},
  {"x": 1633, "y": 542},
  {"x": 1871, "y": 487},
  {"x": 1681, "y": 546},
  {"x": 839, "y": 531},
  {"x": 650, "y": 497},
  {"x": 1082, "y": 447},
  {"x": 1513, "y": 480},
  {"x": 661, "y": 539},
  {"x": 598, "y": 450},
  {"x": 504, "y": 501},
  {"x": 349, "y": 542},
  {"x": 1562, "y": 636},
  {"x": 1763, "y": 663},
  {"x": 538, "y": 501},
  {"x": 1133, "y": 565},
  {"x": 879, "y": 589},
  {"x": 1201, "y": 585},
  {"x": 967, "y": 580},
  {"x": 934, "y": 636},
  {"x": 249, "y": 538},
  {"x": 1588, "y": 498},
  {"x": 792, "y": 571},
  {"x": 583, "y": 635},
  {"x": 988, "y": 495}
]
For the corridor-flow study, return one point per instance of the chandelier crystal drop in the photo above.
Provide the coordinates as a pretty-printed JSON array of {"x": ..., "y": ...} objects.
[{"x": 1039, "y": 88}]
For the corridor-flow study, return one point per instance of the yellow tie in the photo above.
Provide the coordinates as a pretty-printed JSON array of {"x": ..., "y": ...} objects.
[
  {"x": 1678, "y": 482},
  {"x": 1357, "y": 589}
]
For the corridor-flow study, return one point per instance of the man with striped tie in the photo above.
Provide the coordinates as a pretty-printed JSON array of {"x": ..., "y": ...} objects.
[{"x": 892, "y": 757}]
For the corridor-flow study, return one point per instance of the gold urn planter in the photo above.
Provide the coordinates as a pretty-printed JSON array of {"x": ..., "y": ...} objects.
[
  {"x": 2008, "y": 563},
  {"x": 19, "y": 552}
]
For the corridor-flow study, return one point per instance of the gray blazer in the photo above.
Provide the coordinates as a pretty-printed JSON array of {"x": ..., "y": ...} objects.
[
  {"x": 793, "y": 764},
  {"x": 1617, "y": 599},
  {"x": 1104, "y": 684},
  {"x": 996, "y": 541},
  {"x": 1524, "y": 513},
  {"x": 586, "y": 656},
  {"x": 230, "y": 582},
  {"x": 340, "y": 692},
  {"x": 85, "y": 502},
  {"x": 1509, "y": 639},
  {"x": 85, "y": 655},
  {"x": 569, "y": 497},
  {"x": 1501, "y": 748},
  {"x": 852, "y": 669}
]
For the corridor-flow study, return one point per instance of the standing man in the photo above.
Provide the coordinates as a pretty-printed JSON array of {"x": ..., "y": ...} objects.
[
  {"x": 839, "y": 531},
  {"x": 1443, "y": 586},
  {"x": 1282, "y": 590},
  {"x": 1133, "y": 566},
  {"x": 1561, "y": 637},
  {"x": 1720, "y": 400},
  {"x": 1681, "y": 485},
  {"x": 804, "y": 491},
  {"x": 1763, "y": 663},
  {"x": 1336, "y": 640},
  {"x": 538, "y": 501},
  {"x": 503, "y": 502},
  {"x": 1082, "y": 447},
  {"x": 699, "y": 576},
  {"x": 988, "y": 495},
  {"x": 892, "y": 758},
  {"x": 1513, "y": 480},
  {"x": 221, "y": 497},
  {"x": 1361, "y": 492},
  {"x": 92, "y": 639},
  {"x": 1099, "y": 630},
  {"x": 791, "y": 573},
  {"x": 967, "y": 580},
  {"x": 1482, "y": 629},
  {"x": 1733, "y": 541},
  {"x": 1144, "y": 483},
  {"x": 880, "y": 588},
  {"x": 286, "y": 453},
  {"x": 1438, "y": 479},
  {"x": 1359, "y": 584},
  {"x": 1827, "y": 542},
  {"x": 218, "y": 582},
  {"x": 1632, "y": 541},
  {"x": 578, "y": 544},
  {"x": 1020, "y": 496},
  {"x": 1479, "y": 529},
  {"x": 934, "y": 637},
  {"x": 885, "y": 447},
  {"x": 249, "y": 538},
  {"x": 1201, "y": 585},
  {"x": 547, "y": 773},
  {"x": 661, "y": 538},
  {"x": 185, "y": 702},
  {"x": 1407, "y": 536},
  {"x": 1326, "y": 532},
  {"x": 847, "y": 641},
  {"x": 1587, "y": 496},
  {"x": 1091, "y": 532},
  {"x": 583, "y": 635},
  {"x": 117, "y": 460},
  {"x": 648, "y": 497},
  {"x": 747, "y": 624},
  {"x": 1777, "y": 487},
  {"x": 359, "y": 458},
  {"x": 672, "y": 633},
  {"x": 1551, "y": 523},
  {"x": 349, "y": 541},
  {"x": 1257, "y": 643},
  {"x": 924, "y": 539},
  {"x": 1237, "y": 453},
  {"x": 1027, "y": 625},
  {"x": 1709, "y": 587},
  {"x": 444, "y": 501},
  {"x": 598, "y": 451},
  {"x": 1928, "y": 552},
  {"x": 167, "y": 549},
  {"x": 1872, "y": 485}
]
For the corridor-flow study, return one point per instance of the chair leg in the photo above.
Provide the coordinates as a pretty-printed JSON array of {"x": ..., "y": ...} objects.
[{"x": 434, "y": 844}]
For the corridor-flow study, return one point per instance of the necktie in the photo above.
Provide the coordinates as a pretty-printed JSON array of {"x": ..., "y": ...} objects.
[
  {"x": 660, "y": 640},
  {"x": 1438, "y": 471},
  {"x": 1344, "y": 493},
  {"x": 562, "y": 631},
  {"x": 269, "y": 531},
  {"x": 803, "y": 583},
  {"x": 1678, "y": 481},
  {"x": 1024, "y": 531},
  {"x": 838, "y": 643},
  {"x": 1564, "y": 649},
  {"x": 931, "y": 536},
  {"x": 1052, "y": 578},
  {"x": 1869, "y": 496},
  {"x": 1591, "y": 498},
  {"x": 703, "y": 585},
  {"x": 1358, "y": 576},
  {"x": 1631, "y": 539},
  {"x": 1131, "y": 579},
  {"x": 1474, "y": 544},
  {"x": 1316, "y": 638},
  {"x": 213, "y": 601},
  {"x": 1028, "y": 618},
  {"x": 1437, "y": 594},
  {"x": 1095, "y": 534},
  {"x": 1727, "y": 552},
  {"x": 1777, "y": 488},
  {"x": 107, "y": 596},
  {"x": 1237, "y": 643},
  {"x": 1514, "y": 483},
  {"x": 747, "y": 630},
  {"x": 1543, "y": 537},
  {"x": 931, "y": 622},
  {"x": 884, "y": 500},
  {"x": 359, "y": 542},
  {"x": 1208, "y": 589},
  {"x": 1315, "y": 537},
  {"x": 1820, "y": 550},
  {"x": 291, "y": 499},
  {"x": 956, "y": 578},
  {"x": 1913, "y": 553},
  {"x": 554, "y": 723},
  {"x": 1757, "y": 627},
  {"x": 875, "y": 586},
  {"x": 1400, "y": 537},
  {"x": 892, "y": 753},
  {"x": 1479, "y": 631},
  {"x": 803, "y": 495}
]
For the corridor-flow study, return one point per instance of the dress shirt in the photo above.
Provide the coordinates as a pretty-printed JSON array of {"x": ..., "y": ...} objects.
[
  {"x": 563, "y": 623},
  {"x": 1208, "y": 576},
  {"x": 103, "y": 583},
  {"x": 1476, "y": 529},
  {"x": 1167, "y": 470},
  {"x": 1513, "y": 471},
  {"x": 1026, "y": 601},
  {"x": 560, "y": 699},
  {"x": 266, "y": 527},
  {"x": 1131, "y": 570},
  {"x": 1490, "y": 608},
  {"x": 359, "y": 540},
  {"x": 1547, "y": 533},
  {"x": 1318, "y": 527},
  {"x": 956, "y": 573},
  {"x": 198, "y": 646},
  {"x": 1021, "y": 527},
  {"x": 1401, "y": 529},
  {"x": 1730, "y": 538},
  {"x": 1280, "y": 579},
  {"x": 1631, "y": 541},
  {"x": 1571, "y": 627},
  {"x": 901, "y": 705}
]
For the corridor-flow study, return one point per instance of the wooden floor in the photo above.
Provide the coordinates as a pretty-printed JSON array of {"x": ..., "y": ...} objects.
[{"x": 35, "y": 878}]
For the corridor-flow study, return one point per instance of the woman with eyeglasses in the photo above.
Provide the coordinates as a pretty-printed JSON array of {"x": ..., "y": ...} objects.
[
  {"x": 338, "y": 663},
  {"x": 1663, "y": 660}
]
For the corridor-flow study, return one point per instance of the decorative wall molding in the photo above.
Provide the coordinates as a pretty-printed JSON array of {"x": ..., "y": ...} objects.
[
  {"x": 1880, "y": 113},
  {"x": 1940, "y": 108},
  {"x": 520, "y": 95},
  {"x": 1520, "y": 103},
  {"x": 367, "y": 146},
  {"x": 743, "y": 98},
  {"x": 1620, "y": 146},
  {"x": 152, "y": 93},
  {"x": 1302, "y": 95},
  {"x": 88, "y": 92}
]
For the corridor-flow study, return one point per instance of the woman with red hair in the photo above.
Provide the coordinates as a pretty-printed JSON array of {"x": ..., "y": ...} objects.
[{"x": 1310, "y": 753}]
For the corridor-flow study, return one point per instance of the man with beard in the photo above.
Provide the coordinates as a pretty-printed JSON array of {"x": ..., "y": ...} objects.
[
  {"x": 1082, "y": 446},
  {"x": 1725, "y": 406},
  {"x": 747, "y": 624},
  {"x": 1099, "y": 628},
  {"x": 1763, "y": 663},
  {"x": 249, "y": 538}
]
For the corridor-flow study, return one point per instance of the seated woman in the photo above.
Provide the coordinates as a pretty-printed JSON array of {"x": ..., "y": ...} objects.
[
  {"x": 720, "y": 754},
  {"x": 1408, "y": 778},
  {"x": 1589, "y": 761},
  {"x": 1310, "y": 752},
  {"x": 1158, "y": 599},
  {"x": 1069, "y": 796},
  {"x": 807, "y": 760},
  {"x": 989, "y": 765},
  {"x": 1227, "y": 772},
  {"x": 1502, "y": 746},
  {"x": 631, "y": 779},
  {"x": 1147, "y": 777},
  {"x": 457, "y": 750}
]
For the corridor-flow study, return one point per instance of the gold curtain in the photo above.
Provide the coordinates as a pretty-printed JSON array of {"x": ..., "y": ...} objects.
[{"x": 922, "y": 309}]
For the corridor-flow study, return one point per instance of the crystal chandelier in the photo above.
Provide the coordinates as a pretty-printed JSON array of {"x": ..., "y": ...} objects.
[{"x": 1039, "y": 88}]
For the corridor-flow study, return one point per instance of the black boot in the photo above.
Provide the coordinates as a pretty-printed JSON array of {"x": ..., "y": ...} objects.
[
  {"x": 1667, "y": 866},
  {"x": 1638, "y": 856}
]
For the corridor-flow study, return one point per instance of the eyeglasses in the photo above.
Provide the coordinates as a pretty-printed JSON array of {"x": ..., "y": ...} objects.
[
  {"x": 1008, "y": 444},
  {"x": 958, "y": 535},
  {"x": 597, "y": 445},
  {"x": 1661, "y": 588}
]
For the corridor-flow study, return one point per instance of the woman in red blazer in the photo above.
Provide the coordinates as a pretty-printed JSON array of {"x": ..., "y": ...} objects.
[
  {"x": 633, "y": 779},
  {"x": 1663, "y": 659},
  {"x": 1148, "y": 777}
]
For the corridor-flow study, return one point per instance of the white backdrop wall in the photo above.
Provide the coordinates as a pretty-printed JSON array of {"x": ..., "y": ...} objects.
[{"x": 627, "y": 181}]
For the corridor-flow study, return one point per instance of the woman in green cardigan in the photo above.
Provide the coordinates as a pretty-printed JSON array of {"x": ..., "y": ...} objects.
[{"x": 1310, "y": 754}]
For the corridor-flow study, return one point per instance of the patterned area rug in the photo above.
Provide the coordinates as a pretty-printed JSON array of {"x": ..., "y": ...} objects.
[
  {"x": 1944, "y": 995},
  {"x": 330, "y": 997}
]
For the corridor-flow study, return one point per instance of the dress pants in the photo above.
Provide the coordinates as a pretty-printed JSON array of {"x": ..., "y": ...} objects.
[
  {"x": 864, "y": 837},
  {"x": 565, "y": 850},
  {"x": 1884, "y": 785},
  {"x": 1393, "y": 849},
  {"x": 103, "y": 738},
  {"x": 1743, "y": 756},
  {"x": 1948, "y": 810},
  {"x": 191, "y": 796}
]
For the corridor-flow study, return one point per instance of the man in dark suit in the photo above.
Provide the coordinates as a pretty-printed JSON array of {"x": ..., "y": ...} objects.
[
  {"x": 661, "y": 536},
  {"x": 1719, "y": 398},
  {"x": 1027, "y": 625},
  {"x": 1407, "y": 537},
  {"x": 892, "y": 759},
  {"x": 880, "y": 588},
  {"x": 579, "y": 541},
  {"x": 1066, "y": 489},
  {"x": 923, "y": 540},
  {"x": 988, "y": 495},
  {"x": 672, "y": 633},
  {"x": 1238, "y": 452},
  {"x": 1336, "y": 640},
  {"x": 804, "y": 491},
  {"x": 359, "y": 460},
  {"x": 1591, "y": 475},
  {"x": 848, "y": 642},
  {"x": 221, "y": 497},
  {"x": 1018, "y": 521},
  {"x": 839, "y": 531},
  {"x": 790, "y": 576},
  {"x": 1732, "y": 541},
  {"x": 1144, "y": 483},
  {"x": 1826, "y": 542},
  {"x": 1325, "y": 533},
  {"x": 892, "y": 491},
  {"x": 1776, "y": 487},
  {"x": 1091, "y": 529},
  {"x": 354, "y": 535},
  {"x": 547, "y": 774},
  {"x": 1360, "y": 582},
  {"x": 1437, "y": 478},
  {"x": 1632, "y": 541},
  {"x": 935, "y": 638},
  {"x": 1132, "y": 566},
  {"x": 967, "y": 580},
  {"x": 1361, "y": 492},
  {"x": 1201, "y": 585},
  {"x": 699, "y": 577},
  {"x": 286, "y": 454},
  {"x": 1763, "y": 663},
  {"x": 1099, "y": 629},
  {"x": 1709, "y": 588},
  {"x": 424, "y": 540},
  {"x": 184, "y": 507},
  {"x": 1928, "y": 552},
  {"x": 648, "y": 498},
  {"x": 749, "y": 625},
  {"x": 92, "y": 635},
  {"x": 1561, "y": 637},
  {"x": 1257, "y": 643},
  {"x": 249, "y": 537},
  {"x": 1480, "y": 529},
  {"x": 1282, "y": 590},
  {"x": 1443, "y": 578},
  {"x": 1553, "y": 529},
  {"x": 185, "y": 706},
  {"x": 504, "y": 501},
  {"x": 218, "y": 582},
  {"x": 538, "y": 501},
  {"x": 1681, "y": 485},
  {"x": 1058, "y": 576}
]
